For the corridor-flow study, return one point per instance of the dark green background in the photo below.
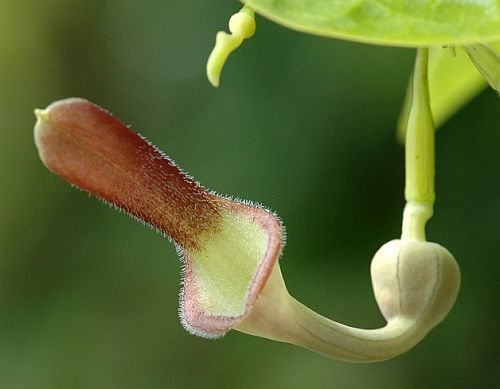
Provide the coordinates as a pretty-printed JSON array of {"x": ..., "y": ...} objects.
[{"x": 305, "y": 125}]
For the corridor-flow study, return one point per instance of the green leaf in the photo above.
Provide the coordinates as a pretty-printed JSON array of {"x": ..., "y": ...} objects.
[
  {"x": 453, "y": 82},
  {"x": 389, "y": 22}
]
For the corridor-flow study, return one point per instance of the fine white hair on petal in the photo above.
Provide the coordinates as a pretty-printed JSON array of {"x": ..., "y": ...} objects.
[
  {"x": 181, "y": 310},
  {"x": 180, "y": 250}
]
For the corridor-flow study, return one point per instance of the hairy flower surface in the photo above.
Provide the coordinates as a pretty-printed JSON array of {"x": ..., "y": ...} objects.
[{"x": 228, "y": 248}]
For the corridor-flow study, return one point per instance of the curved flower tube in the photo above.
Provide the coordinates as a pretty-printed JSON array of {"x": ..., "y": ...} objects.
[
  {"x": 415, "y": 282},
  {"x": 230, "y": 249},
  {"x": 415, "y": 285}
]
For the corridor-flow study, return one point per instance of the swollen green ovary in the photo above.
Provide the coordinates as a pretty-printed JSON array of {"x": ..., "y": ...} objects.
[{"x": 224, "y": 270}]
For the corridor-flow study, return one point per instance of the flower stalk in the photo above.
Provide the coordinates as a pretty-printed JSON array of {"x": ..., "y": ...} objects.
[{"x": 419, "y": 159}]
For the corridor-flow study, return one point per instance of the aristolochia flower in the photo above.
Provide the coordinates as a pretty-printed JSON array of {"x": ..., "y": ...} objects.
[{"x": 228, "y": 248}]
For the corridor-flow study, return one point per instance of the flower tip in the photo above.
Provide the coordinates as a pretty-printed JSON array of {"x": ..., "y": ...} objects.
[
  {"x": 213, "y": 76},
  {"x": 40, "y": 132},
  {"x": 42, "y": 114}
]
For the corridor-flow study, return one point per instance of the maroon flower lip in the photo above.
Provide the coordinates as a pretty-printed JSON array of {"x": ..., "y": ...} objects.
[
  {"x": 91, "y": 149},
  {"x": 228, "y": 248}
]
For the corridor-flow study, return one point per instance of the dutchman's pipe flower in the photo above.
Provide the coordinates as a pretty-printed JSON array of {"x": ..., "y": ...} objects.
[{"x": 230, "y": 249}]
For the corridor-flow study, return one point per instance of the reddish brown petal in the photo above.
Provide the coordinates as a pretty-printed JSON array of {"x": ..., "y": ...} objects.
[
  {"x": 229, "y": 248},
  {"x": 91, "y": 149}
]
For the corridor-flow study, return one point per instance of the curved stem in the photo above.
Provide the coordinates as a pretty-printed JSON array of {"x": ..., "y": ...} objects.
[{"x": 420, "y": 171}]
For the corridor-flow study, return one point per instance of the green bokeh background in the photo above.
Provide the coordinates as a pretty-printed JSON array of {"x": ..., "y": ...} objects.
[{"x": 305, "y": 125}]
